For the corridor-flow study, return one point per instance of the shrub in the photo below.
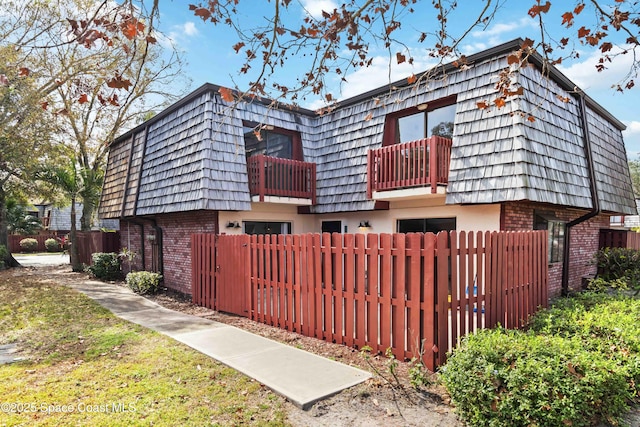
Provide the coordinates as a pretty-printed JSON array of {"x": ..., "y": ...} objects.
[
  {"x": 515, "y": 378},
  {"x": 52, "y": 245},
  {"x": 4, "y": 253},
  {"x": 604, "y": 324},
  {"x": 106, "y": 266},
  {"x": 143, "y": 282},
  {"x": 29, "y": 244},
  {"x": 619, "y": 263}
]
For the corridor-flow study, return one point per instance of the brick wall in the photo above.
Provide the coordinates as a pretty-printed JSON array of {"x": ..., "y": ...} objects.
[
  {"x": 583, "y": 245},
  {"x": 176, "y": 244}
]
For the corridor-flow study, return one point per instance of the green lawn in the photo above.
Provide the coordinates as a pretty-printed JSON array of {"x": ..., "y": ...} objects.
[{"x": 88, "y": 367}]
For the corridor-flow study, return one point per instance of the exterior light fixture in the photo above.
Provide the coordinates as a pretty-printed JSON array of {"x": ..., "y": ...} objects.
[
  {"x": 422, "y": 107},
  {"x": 364, "y": 224},
  {"x": 233, "y": 224}
]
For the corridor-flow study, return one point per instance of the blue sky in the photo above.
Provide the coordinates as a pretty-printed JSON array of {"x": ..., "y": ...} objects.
[{"x": 210, "y": 58}]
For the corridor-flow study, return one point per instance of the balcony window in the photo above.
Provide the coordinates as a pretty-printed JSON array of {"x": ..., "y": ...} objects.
[
  {"x": 413, "y": 125},
  {"x": 276, "y": 142}
]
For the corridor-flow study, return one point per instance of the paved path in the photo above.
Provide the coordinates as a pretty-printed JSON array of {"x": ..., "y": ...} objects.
[
  {"x": 302, "y": 377},
  {"x": 37, "y": 260}
]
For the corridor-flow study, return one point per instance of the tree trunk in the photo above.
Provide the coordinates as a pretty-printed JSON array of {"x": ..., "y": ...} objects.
[
  {"x": 88, "y": 208},
  {"x": 9, "y": 261},
  {"x": 74, "y": 257}
]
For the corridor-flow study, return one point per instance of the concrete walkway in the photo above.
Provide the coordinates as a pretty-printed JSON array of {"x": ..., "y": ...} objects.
[{"x": 302, "y": 377}]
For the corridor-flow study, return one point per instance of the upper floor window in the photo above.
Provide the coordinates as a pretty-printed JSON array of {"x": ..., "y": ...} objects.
[
  {"x": 437, "y": 119},
  {"x": 274, "y": 142}
]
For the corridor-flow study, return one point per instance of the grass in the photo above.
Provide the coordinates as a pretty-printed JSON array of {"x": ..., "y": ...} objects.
[{"x": 87, "y": 367}]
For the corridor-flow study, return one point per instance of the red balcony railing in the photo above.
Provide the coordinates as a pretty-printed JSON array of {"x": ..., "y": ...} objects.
[
  {"x": 272, "y": 176},
  {"x": 420, "y": 163}
]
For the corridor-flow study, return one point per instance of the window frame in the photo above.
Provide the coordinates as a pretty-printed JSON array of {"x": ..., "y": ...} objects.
[
  {"x": 289, "y": 227},
  {"x": 391, "y": 120},
  {"x": 296, "y": 139},
  {"x": 557, "y": 229},
  {"x": 424, "y": 223}
]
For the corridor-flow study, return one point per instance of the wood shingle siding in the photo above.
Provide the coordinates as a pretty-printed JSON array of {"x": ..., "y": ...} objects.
[{"x": 113, "y": 188}]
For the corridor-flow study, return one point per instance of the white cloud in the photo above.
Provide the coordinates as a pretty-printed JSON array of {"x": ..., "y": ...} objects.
[
  {"x": 178, "y": 35},
  {"x": 584, "y": 74},
  {"x": 502, "y": 28},
  {"x": 632, "y": 139},
  {"x": 315, "y": 7},
  {"x": 189, "y": 29}
]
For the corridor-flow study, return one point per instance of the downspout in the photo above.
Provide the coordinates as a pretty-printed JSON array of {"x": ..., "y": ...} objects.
[{"x": 594, "y": 195}]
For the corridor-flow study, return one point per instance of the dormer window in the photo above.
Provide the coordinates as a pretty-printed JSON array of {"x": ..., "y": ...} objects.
[
  {"x": 274, "y": 142},
  {"x": 435, "y": 119}
]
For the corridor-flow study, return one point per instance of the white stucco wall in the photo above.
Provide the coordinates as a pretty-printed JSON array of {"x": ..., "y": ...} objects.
[{"x": 468, "y": 218}]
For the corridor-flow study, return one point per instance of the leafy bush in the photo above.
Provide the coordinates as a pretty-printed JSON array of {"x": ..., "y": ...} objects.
[
  {"x": 499, "y": 377},
  {"x": 29, "y": 244},
  {"x": 106, "y": 266},
  {"x": 604, "y": 324},
  {"x": 619, "y": 263},
  {"x": 143, "y": 282},
  {"x": 52, "y": 245},
  {"x": 4, "y": 253}
]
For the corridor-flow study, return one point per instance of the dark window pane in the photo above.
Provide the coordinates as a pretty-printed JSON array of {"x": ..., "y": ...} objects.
[
  {"x": 426, "y": 225},
  {"x": 331, "y": 226},
  {"x": 279, "y": 145},
  {"x": 262, "y": 227}
]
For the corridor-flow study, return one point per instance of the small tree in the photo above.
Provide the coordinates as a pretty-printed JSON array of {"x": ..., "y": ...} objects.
[
  {"x": 67, "y": 179},
  {"x": 19, "y": 221}
]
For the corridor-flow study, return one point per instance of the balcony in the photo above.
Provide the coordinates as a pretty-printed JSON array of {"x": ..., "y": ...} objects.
[
  {"x": 276, "y": 180},
  {"x": 409, "y": 170}
]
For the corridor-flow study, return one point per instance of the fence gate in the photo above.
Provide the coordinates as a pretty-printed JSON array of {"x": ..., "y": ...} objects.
[{"x": 220, "y": 272}]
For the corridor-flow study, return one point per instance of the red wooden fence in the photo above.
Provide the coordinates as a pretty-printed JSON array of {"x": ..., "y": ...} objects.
[
  {"x": 14, "y": 241},
  {"x": 90, "y": 242},
  {"x": 612, "y": 238},
  {"x": 385, "y": 291},
  {"x": 411, "y": 164}
]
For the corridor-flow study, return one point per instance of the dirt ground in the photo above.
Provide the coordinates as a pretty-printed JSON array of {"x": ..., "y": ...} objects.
[{"x": 380, "y": 401}]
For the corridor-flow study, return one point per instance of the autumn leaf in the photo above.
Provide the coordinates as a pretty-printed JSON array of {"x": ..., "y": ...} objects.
[
  {"x": 368, "y": 117},
  {"x": 202, "y": 13},
  {"x": 400, "y": 58},
  {"x": 583, "y": 32},
  {"x": 44, "y": 105},
  {"x": 24, "y": 72},
  {"x": 606, "y": 47},
  {"x": 238, "y": 46},
  {"x": 513, "y": 59},
  {"x": 531, "y": 118},
  {"x": 567, "y": 19},
  {"x": 83, "y": 98},
  {"x": 118, "y": 82},
  {"x": 226, "y": 94},
  {"x": 499, "y": 102},
  {"x": 538, "y": 9},
  {"x": 151, "y": 39},
  {"x": 411, "y": 79},
  {"x": 130, "y": 30},
  {"x": 482, "y": 105}
]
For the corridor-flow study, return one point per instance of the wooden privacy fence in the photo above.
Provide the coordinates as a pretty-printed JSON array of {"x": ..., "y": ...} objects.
[
  {"x": 14, "y": 241},
  {"x": 90, "y": 242},
  {"x": 611, "y": 238},
  {"x": 405, "y": 292}
]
